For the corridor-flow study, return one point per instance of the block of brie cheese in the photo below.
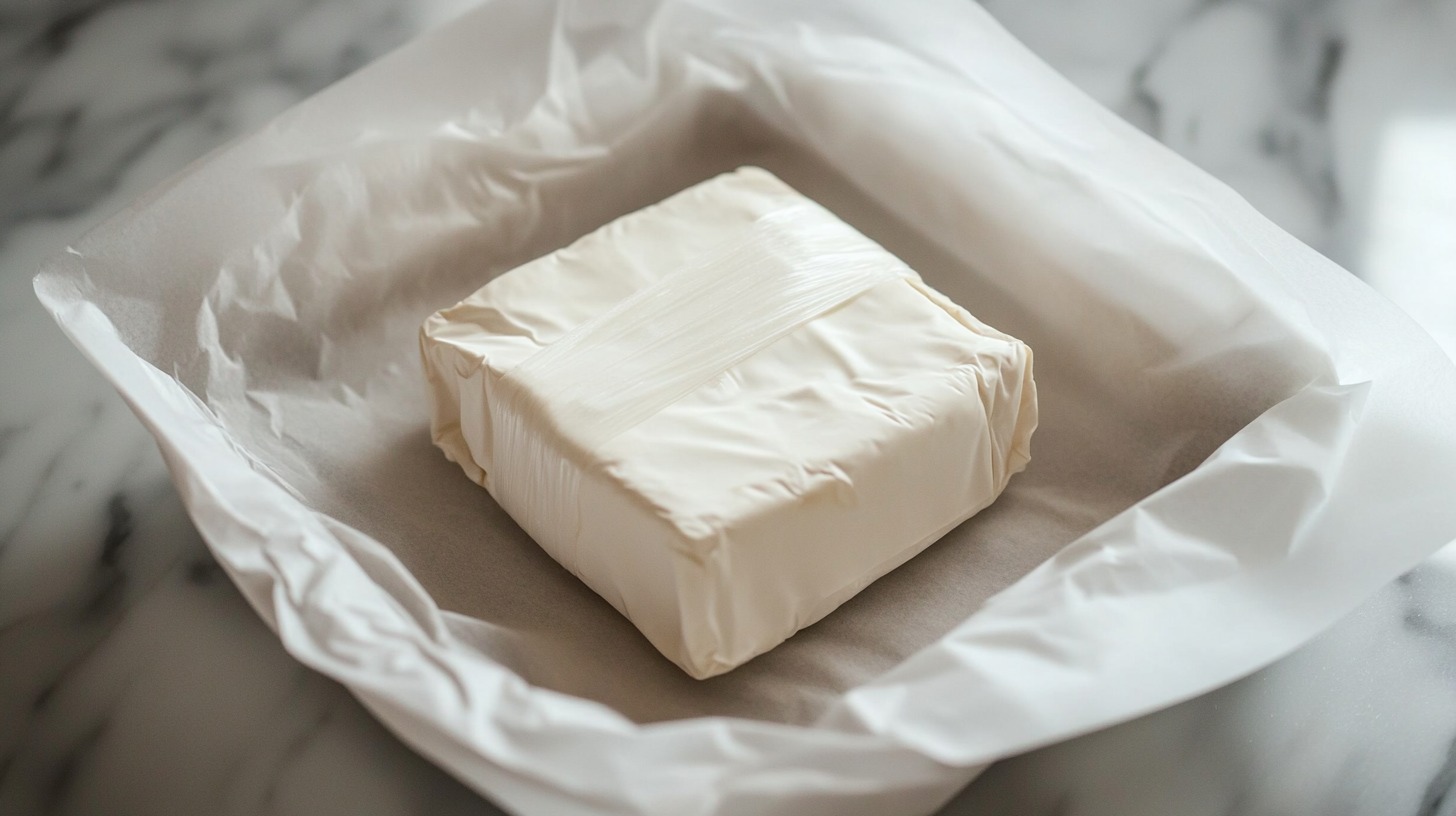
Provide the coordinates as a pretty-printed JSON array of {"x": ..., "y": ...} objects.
[{"x": 727, "y": 413}]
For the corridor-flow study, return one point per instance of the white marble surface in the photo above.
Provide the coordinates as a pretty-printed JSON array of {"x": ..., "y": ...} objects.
[{"x": 134, "y": 679}]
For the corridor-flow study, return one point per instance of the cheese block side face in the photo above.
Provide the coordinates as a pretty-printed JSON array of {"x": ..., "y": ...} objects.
[{"x": 769, "y": 495}]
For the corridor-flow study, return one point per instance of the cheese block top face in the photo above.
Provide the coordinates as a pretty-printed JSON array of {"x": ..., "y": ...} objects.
[{"x": 727, "y": 470}]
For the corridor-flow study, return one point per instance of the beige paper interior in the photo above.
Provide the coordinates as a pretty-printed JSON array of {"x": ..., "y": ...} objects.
[{"x": 329, "y": 397}]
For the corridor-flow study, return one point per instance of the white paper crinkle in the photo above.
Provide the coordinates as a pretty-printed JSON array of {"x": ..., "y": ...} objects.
[{"x": 728, "y": 413}]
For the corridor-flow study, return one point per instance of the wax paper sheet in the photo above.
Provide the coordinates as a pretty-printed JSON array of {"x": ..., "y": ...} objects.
[{"x": 1238, "y": 440}]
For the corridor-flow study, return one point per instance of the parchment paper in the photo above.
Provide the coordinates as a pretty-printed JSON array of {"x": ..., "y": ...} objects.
[{"x": 1238, "y": 440}]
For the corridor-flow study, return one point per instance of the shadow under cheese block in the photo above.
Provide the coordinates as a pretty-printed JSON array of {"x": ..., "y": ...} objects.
[{"x": 727, "y": 413}]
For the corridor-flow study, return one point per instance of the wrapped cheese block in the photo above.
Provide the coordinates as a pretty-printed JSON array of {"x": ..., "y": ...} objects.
[{"x": 727, "y": 413}]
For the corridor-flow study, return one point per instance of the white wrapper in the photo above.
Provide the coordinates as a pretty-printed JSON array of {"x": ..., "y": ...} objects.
[
  {"x": 727, "y": 413},
  {"x": 1238, "y": 441}
]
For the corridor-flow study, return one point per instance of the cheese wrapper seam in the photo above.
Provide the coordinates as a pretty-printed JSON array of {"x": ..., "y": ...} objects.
[{"x": 561, "y": 404}]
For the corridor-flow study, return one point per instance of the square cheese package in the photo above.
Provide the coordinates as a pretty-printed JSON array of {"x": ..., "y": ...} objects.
[{"x": 727, "y": 413}]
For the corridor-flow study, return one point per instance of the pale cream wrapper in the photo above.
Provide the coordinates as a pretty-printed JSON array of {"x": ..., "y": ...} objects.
[{"x": 727, "y": 413}]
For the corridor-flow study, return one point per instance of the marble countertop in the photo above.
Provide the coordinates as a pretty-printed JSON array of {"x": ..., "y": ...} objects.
[{"x": 135, "y": 680}]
